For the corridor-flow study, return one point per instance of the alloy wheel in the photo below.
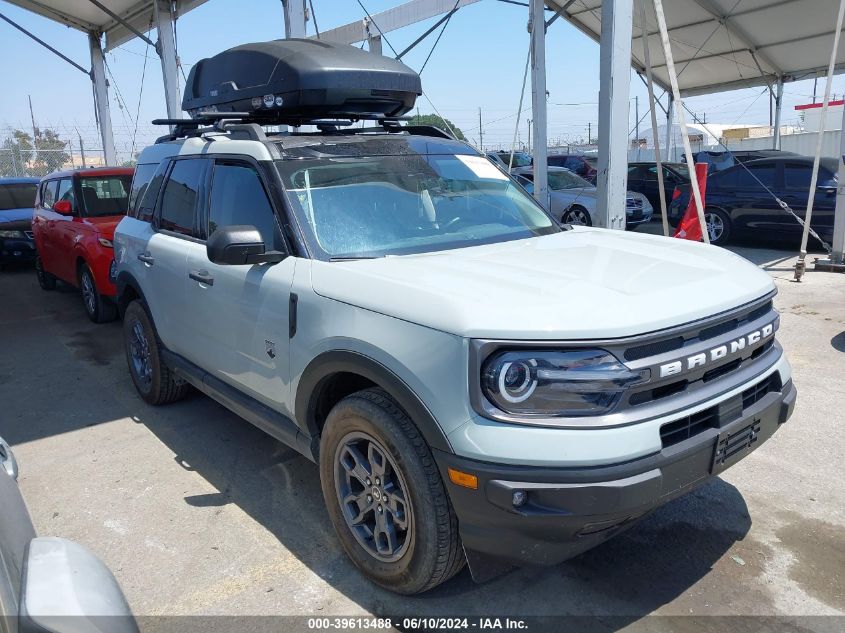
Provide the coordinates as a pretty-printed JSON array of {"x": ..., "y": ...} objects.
[
  {"x": 89, "y": 293},
  {"x": 715, "y": 226},
  {"x": 372, "y": 495},
  {"x": 139, "y": 352},
  {"x": 577, "y": 216}
]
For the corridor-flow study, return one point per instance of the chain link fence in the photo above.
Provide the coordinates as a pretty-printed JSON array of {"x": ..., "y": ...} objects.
[{"x": 37, "y": 163}]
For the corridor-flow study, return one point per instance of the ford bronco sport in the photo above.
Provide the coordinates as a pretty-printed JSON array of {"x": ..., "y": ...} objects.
[{"x": 476, "y": 382}]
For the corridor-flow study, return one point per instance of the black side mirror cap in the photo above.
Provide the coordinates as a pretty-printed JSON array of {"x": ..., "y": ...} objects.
[{"x": 239, "y": 245}]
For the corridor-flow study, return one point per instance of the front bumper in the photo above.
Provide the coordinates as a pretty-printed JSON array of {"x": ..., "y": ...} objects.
[
  {"x": 17, "y": 250},
  {"x": 570, "y": 510}
]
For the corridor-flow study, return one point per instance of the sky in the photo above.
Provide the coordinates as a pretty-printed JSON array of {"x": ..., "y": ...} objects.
[{"x": 478, "y": 63}]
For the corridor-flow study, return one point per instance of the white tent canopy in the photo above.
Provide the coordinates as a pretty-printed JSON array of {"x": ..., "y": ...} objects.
[
  {"x": 721, "y": 45},
  {"x": 85, "y": 16}
]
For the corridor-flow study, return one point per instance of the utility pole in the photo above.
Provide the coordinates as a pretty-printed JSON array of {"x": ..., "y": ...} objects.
[
  {"x": 529, "y": 134},
  {"x": 34, "y": 128},
  {"x": 589, "y": 133},
  {"x": 480, "y": 133},
  {"x": 81, "y": 149}
]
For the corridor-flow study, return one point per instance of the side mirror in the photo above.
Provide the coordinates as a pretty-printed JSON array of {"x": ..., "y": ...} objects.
[
  {"x": 238, "y": 245},
  {"x": 66, "y": 588},
  {"x": 63, "y": 207}
]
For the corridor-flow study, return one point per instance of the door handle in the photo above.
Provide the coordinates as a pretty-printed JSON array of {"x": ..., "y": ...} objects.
[
  {"x": 202, "y": 276},
  {"x": 147, "y": 259}
]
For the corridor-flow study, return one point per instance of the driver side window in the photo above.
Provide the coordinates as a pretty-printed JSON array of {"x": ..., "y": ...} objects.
[{"x": 238, "y": 197}]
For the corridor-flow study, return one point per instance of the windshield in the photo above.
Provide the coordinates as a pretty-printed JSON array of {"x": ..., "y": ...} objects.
[
  {"x": 414, "y": 203},
  {"x": 17, "y": 196},
  {"x": 680, "y": 169},
  {"x": 105, "y": 195},
  {"x": 566, "y": 180},
  {"x": 520, "y": 159}
]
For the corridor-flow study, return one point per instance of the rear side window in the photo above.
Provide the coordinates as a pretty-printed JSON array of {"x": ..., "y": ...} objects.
[
  {"x": 148, "y": 197},
  {"x": 143, "y": 175},
  {"x": 17, "y": 196},
  {"x": 238, "y": 197},
  {"x": 181, "y": 193},
  {"x": 48, "y": 193}
]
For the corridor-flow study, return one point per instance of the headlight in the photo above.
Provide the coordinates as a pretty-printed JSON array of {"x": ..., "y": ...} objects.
[
  {"x": 12, "y": 234},
  {"x": 104, "y": 242},
  {"x": 556, "y": 383}
]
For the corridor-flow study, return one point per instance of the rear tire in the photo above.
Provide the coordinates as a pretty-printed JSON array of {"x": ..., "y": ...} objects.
[
  {"x": 399, "y": 529},
  {"x": 45, "y": 279},
  {"x": 98, "y": 308},
  {"x": 154, "y": 381},
  {"x": 719, "y": 226}
]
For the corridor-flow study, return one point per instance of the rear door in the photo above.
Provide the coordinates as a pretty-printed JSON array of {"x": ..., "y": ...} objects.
[
  {"x": 175, "y": 230},
  {"x": 239, "y": 314}
]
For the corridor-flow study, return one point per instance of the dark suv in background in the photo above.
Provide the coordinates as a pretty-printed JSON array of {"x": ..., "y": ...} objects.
[
  {"x": 584, "y": 166},
  {"x": 642, "y": 178},
  {"x": 17, "y": 199},
  {"x": 739, "y": 199}
]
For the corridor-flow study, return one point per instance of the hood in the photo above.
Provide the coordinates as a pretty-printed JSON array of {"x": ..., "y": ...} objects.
[
  {"x": 16, "y": 215},
  {"x": 105, "y": 225},
  {"x": 585, "y": 283}
]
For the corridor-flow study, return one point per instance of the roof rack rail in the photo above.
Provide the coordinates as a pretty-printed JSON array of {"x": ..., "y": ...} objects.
[{"x": 247, "y": 126}]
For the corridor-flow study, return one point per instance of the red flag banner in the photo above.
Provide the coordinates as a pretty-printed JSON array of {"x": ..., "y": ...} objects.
[{"x": 690, "y": 228}]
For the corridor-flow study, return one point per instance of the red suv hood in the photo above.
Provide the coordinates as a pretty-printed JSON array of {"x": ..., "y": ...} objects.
[{"x": 105, "y": 225}]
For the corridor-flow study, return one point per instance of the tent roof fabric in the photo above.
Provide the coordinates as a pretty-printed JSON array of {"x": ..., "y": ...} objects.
[
  {"x": 85, "y": 16},
  {"x": 720, "y": 45}
]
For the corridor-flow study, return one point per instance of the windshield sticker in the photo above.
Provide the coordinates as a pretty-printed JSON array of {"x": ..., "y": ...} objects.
[{"x": 481, "y": 167}]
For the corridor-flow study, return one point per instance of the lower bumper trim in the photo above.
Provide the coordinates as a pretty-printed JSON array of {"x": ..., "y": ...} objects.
[{"x": 566, "y": 511}]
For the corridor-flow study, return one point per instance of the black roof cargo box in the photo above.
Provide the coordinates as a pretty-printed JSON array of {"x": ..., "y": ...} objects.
[{"x": 297, "y": 80}]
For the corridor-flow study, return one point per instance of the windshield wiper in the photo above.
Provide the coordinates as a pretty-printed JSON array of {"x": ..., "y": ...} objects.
[{"x": 351, "y": 258}]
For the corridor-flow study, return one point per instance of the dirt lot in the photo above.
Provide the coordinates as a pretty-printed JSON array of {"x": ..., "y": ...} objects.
[{"x": 197, "y": 512}]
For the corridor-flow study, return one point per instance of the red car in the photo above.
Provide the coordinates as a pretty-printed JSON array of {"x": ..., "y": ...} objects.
[{"x": 74, "y": 220}]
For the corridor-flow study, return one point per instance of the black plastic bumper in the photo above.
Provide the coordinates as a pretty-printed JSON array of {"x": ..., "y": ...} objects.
[
  {"x": 17, "y": 250},
  {"x": 570, "y": 510}
]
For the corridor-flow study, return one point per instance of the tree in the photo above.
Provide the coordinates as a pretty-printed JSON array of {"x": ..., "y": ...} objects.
[
  {"x": 444, "y": 124},
  {"x": 16, "y": 154},
  {"x": 50, "y": 153},
  {"x": 26, "y": 157}
]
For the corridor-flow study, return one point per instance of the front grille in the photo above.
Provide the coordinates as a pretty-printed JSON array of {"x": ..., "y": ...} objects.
[
  {"x": 691, "y": 425},
  {"x": 757, "y": 392},
  {"x": 694, "y": 335}
]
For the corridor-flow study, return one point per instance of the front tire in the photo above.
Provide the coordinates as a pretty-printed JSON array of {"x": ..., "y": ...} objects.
[
  {"x": 98, "y": 308},
  {"x": 385, "y": 497},
  {"x": 718, "y": 226},
  {"x": 153, "y": 380},
  {"x": 45, "y": 279},
  {"x": 577, "y": 215}
]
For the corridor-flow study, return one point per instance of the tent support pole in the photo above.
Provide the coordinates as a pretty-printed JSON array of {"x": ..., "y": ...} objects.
[
  {"x": 808, "y": 215},
  {"x": 778, "y": 109},
  {"x": 537, "y": 24},
  {"x": 617, "y": 18},
  {"x": 661, "y": 186},
  {"x": 101, "y": 98},
  {"x": 682, "y": 121}
]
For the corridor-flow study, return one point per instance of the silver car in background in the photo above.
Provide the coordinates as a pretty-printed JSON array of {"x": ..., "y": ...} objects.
[{"x": 573, "y": 199}]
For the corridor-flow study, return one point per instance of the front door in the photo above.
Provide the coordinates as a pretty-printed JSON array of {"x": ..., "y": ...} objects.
[{"x": 239, "y": 314}]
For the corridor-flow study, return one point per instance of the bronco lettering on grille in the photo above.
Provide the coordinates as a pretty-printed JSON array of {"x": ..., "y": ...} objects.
[{"x": 717, "y": 353}]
